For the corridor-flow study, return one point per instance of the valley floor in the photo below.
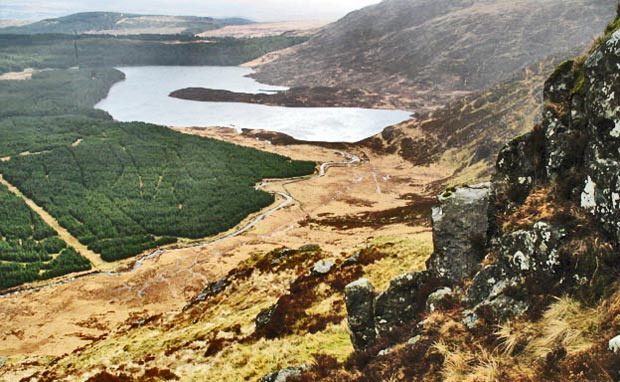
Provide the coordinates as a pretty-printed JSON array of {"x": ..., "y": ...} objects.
[{"x": 343, "y": 211}]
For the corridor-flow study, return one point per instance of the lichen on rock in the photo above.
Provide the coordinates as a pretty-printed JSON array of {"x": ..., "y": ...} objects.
[
  {"x": 360, "y": 301},
  {"x": 528, "y": 260},
  {"x": 404, "y": 300},
  {"x": 460, "y": 225}
]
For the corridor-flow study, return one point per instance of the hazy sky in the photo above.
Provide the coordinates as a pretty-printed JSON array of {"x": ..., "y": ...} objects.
[{"x": 259, "y": 10}]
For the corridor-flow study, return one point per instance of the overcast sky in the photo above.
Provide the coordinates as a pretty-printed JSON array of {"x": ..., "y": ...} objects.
[{"x": 258, "y": 10}]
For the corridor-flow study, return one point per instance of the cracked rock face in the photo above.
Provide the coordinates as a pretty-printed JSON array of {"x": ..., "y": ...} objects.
[
  {"x": 527, "y": 259},
  {"x": 601, "y": 190},
  {"x": 460, "y": 226},
  {"x": 404, "y": 300},
  {"x": 360, "y": 301}
]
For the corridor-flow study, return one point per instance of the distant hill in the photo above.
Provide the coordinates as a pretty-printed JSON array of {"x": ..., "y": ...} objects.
[
  {"x": 285, "y": 28},
  {"x": 122, "y": 23},
  {"x": 4, "y": 23},
  {"x": 428, "y": 51}
]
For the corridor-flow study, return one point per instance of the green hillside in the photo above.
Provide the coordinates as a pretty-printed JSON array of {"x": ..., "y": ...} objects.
[
  {"x": 111, "y": 22},
  {"x": 18, "y": 52}
]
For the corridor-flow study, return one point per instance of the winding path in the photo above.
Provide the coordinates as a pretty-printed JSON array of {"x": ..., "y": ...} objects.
[{"x": 288, "y": 199}]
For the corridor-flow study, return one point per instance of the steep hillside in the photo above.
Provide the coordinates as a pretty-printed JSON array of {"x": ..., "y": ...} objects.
[
  {"x": 467, "y": 134},
  {"x": 523, "y": 281},
  {"x": 428, "y": 51},
  {"x": 120, "y": 23}
]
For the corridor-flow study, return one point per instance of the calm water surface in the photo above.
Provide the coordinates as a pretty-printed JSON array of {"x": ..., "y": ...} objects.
[{"x": 143, "y": 96}]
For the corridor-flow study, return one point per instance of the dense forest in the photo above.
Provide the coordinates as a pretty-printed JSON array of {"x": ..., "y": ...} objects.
[
  {"x": 127, "y": 182},
  {"x": 58, "y": 92},
  {"x": 30, "y": 250},
  {"x": 18, "y": 52},
  {"x": 121, "y": 188}
]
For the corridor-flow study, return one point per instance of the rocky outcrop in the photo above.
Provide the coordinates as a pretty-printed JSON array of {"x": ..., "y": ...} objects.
[
  {"x": 525, "y": 257},
  {"x": 284, "y": 375},
  {"x": 614, "y": 345},
  {"x": 264, "y": 317},
  {"x": 322, "y": 267},
  {"x": 572, "y": 160},
  {"x": 460, "y": 225},
  {"x": 564, "y": 139},
  {"x": 360, "y": 299},
  {"x": 528, "y": 261},
  {"x": 601, "y": 189},
  {"x": 404, "y": 300},
  {"x": 576, "y": 151},
  {"x": 576, "y": 145},
  {"x": 212, "y": 289}
]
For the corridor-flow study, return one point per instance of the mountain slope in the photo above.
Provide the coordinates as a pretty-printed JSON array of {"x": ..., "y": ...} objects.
[
  {"x": 121, "y": 23},
  {"x": 529, "y": 262},
  {"x": 428, "y": 51},
  {"x": 467, "y": 134}
]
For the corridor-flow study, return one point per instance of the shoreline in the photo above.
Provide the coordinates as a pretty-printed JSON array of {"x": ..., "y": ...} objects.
[{"x": 298, "y": 97}]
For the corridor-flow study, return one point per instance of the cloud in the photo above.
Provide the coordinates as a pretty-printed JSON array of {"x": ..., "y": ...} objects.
[{"x": 260, "y": 10}]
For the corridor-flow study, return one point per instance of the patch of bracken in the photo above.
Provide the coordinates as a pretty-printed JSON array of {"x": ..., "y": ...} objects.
[
  {"x": 416, "y": 213},
  {"x": 104, "y": 376},
  {"x": 291, "y": 316},
  {"x": 215, "y": 346},
  {"x": 155, "y": 374},
  {"x": 277, "y": 261}
]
